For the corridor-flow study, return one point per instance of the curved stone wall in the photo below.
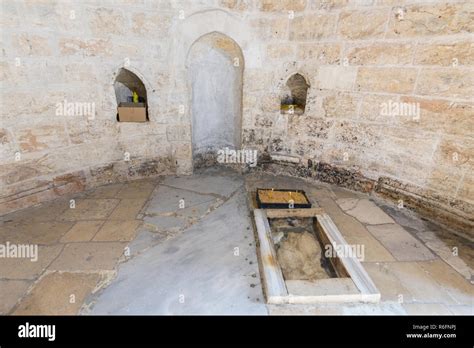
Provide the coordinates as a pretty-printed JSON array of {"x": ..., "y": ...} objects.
[{"x": 389, "y": 104}]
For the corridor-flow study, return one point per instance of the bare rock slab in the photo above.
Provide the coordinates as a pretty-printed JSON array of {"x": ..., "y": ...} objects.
[{"x": 82, "y": 231}]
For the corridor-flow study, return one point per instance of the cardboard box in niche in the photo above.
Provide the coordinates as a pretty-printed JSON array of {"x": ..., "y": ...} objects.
[{"x": 132, "y": 112}]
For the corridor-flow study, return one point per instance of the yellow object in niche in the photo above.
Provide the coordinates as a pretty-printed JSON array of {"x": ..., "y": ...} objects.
[{"x": 135, "y": 97}]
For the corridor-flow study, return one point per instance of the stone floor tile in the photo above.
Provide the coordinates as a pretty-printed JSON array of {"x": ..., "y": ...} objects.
[
  {"x": 401, "y": 244},
  {"x": 450, "y": 280},
  {"x": 87, "y": 256},
  {"x": 104, "y": 192},
  {"x": 456, "y": 258},
  {"x": 136, "y": 189},
  {"x": 117, "y": 231},
  {"x": 58, "y": 293},
  {"x": 82, "y": 231},
  {"x": 90, "y": 209},
  {"x": 462, "y": 310},
  {"x": 423, "y": 288},
  {"x": 10, "y": 292},
  {"x": 25, "y": 268},
  {"x": 365, "y": 211},
  {"x": 390, "y": 287},
  {"x": 43, "y": 233},
  {"x": 128, "y": 209},
  {"x": 426, "y": 309}
]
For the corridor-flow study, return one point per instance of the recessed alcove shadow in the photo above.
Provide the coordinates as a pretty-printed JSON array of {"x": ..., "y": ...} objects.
[
  {"x": 293, "y": 99},
  {"x": 130, "y": 91},
  {"x": 215, "y": 67}
]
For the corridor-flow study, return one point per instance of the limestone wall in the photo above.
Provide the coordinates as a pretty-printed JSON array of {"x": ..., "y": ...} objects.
[{"x": 360, "y": 58}]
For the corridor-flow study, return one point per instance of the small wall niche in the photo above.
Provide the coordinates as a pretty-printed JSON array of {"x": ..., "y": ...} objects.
[
  {"x": 131, "y": 96},
  {"x": 293, "y": 100}
]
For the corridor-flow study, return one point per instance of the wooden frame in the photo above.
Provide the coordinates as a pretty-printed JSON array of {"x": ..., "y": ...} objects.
[{"x": 347, "y": 267}]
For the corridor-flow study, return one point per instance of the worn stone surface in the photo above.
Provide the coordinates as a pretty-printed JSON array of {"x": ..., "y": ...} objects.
[
  {"x": 458, "y": 287},
  {"x": 10, "y": 292},
  {"x": 40, "y": 288},
  {"x": 421, "y": 285},
  {"x": 299, "y": 256},
  {"x": 389, "y": 80},
  {"x": 88, "y": 256},
  {"x": 58, "y": 294},
  {"x": 82, "y": 231},
  {"x": 365, "y": 211},
  {"x": 426, "y": 309},
  {"x": 127, "y": 209},
  {"x": 89, "y": 209},
  {"x": 198, "y": 254},
  {"x": 357, "y": 25},
  {"x": 117, "y": 231},
  {"x": 402, "y": 245},
  {"x": 391, "y": 288},
  {"x": 321, "y": 287},
  {"x": 27, "y": 268}
]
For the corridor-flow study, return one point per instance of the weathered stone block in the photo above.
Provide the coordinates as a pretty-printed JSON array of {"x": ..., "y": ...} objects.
[
  {"x": 340, "y": 105},
  {"x": 431, "y": 19},
  {"x": 92, "y": 47},
  {"x": 269, "y": 28},
  {"x": 31, "y": 45},
  {"x": 336, "y": 77},
  {"x": 278, "y": 51},
  {"x": 237, "y": 5},
  {"x": 106, "y": 21},
  {"x": 356, "y": 24},
  {"x": 178, "y": 133},
  {"x": 447, "y": 54},
  {"x": 435, "y": 114},
  {"x": 312, "y": 27},
  {"x": 144, "y": 24},
  {"x": 447, "y": 82},
  {"x": 380, "y": 54},
  {"x": 319, "y": 53},
  {"x": 390, "y": 80},
  {"x": 281, "y": 5}
]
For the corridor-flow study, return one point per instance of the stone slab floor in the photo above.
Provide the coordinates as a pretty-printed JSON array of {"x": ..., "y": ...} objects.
[{"x": 186, "y": 245}]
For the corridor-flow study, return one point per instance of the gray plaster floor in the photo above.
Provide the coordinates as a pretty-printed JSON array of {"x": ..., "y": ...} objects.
[{"x": 207, "y": 266}]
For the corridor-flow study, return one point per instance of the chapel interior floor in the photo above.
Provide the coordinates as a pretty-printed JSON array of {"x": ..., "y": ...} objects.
[{"x": 129, "y": 248}]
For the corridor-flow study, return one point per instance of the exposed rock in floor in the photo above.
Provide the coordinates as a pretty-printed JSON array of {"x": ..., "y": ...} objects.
[{"x": 299, "y": 255}]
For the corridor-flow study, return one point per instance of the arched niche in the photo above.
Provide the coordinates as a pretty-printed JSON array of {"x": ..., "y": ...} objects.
[
  {"x": 127, "y": 82},
  {"x": 215, "y": 67},
  {"x": 293, "y": 99}
]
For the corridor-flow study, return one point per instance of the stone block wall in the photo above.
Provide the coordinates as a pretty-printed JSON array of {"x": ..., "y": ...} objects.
[{"x": 362, "y": 60}]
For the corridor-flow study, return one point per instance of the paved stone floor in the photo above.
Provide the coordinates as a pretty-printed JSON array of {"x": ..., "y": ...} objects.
[{"x": 134, "y": 248}]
